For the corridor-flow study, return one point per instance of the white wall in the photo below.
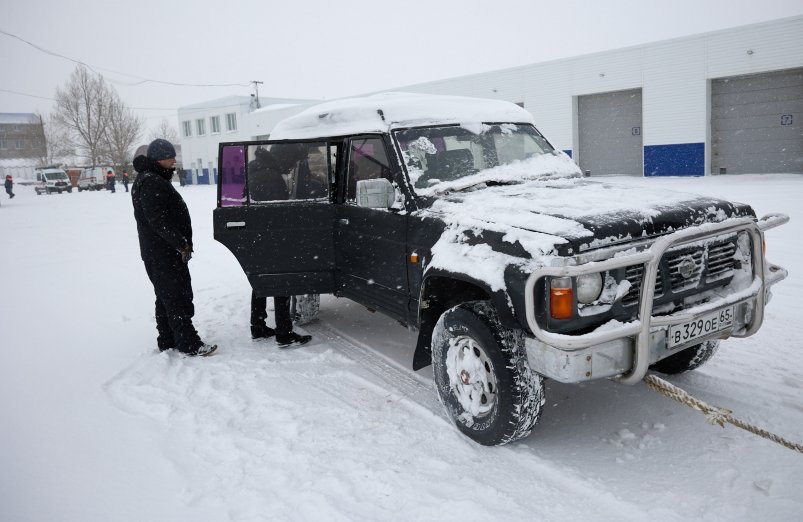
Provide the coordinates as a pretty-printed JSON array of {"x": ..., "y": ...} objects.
[{"x": 674, "y": 76}]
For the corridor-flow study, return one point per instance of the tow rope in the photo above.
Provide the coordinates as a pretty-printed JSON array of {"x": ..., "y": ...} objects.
[{"x": 714, "y": 414}]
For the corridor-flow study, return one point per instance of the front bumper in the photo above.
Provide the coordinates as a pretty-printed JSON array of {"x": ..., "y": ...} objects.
[{"x": 625, "y": 350}]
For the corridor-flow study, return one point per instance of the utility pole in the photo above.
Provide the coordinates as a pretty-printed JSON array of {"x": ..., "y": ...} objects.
[{"x": 256, "y": 91}]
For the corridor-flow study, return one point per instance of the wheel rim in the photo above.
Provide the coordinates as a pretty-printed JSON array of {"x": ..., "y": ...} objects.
[{"x": 471, "y": 376}]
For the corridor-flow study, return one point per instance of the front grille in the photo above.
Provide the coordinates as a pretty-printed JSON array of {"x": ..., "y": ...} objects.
[
  {"x": 682, "y": 277},
  {"x": 633, "y": 274},
  {"x": 686, "y": 270},
  {"x": 720, "y": 261}
]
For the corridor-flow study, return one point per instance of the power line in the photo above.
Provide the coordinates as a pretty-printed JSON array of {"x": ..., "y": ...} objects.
[
  {"x": 142, "y": 80},
  {"x": 28, "y": 95}
]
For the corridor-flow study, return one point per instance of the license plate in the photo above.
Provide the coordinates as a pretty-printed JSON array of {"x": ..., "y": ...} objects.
[{"x": 705, "y": 325}]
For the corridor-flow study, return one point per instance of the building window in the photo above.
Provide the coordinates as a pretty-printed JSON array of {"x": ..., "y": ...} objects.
[
  {"x": 187, "y": 129},
  {"x": 20, "y": 144},
  {"x": 3, "y": 145},
  {"x": 231, "y": 121},
  {"x": 214, "y": 123},
  {"x": 200, "y": 126}
]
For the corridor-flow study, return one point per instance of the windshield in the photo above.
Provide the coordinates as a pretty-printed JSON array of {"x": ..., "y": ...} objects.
[
  {"x": 55, "y": 176},
  {"x": 438, "y": 156}
]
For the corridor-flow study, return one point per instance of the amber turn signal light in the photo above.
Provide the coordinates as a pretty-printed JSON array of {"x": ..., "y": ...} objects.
[{"x": 561, "y": 299}]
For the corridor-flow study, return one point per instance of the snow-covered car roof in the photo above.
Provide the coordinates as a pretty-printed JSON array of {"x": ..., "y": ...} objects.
[{"x": 383, "y": 112}]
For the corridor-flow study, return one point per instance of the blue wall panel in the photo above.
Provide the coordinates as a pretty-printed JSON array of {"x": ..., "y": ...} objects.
[
  {"x": 203, "y": 177},
  {"x": 683, "y": 159},
  {"x": 568, "y": 152}
]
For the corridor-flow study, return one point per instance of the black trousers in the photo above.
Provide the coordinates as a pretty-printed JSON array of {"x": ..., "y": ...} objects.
[
  {"x": 174, "y": 309},
  {"x": 281, "y": 306}
]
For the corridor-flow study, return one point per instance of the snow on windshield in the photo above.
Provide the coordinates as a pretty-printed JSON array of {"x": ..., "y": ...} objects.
[{"x": 440, "y": 159}]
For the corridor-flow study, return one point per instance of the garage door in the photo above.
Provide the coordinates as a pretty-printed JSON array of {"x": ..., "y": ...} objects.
[
  {"x": 756, "y": 123},
  {"x": 609, "y": 127}
]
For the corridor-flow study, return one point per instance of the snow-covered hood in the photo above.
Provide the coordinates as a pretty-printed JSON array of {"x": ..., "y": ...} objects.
[{"x": 580, "y": 214}]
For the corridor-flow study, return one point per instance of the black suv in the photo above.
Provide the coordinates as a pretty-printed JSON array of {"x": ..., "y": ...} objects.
[{"x": 455, "y": 216}]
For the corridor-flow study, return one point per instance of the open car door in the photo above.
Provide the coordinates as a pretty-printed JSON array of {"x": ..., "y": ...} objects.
[{"x": 275, "y": 213}]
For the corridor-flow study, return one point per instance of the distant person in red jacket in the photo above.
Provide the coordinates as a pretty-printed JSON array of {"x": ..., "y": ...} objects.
[
  {"x": 9, "y": 186},
  {"x": 110, "y": 181},
  {"x": 125, "y": 180}
]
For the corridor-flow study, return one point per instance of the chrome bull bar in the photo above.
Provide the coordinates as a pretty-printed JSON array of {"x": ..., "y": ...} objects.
[{"x": 640, "y": 328}]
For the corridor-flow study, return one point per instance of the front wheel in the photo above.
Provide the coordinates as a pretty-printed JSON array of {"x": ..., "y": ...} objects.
[
  {"x": 304, "y": 308},
  {"x": 482, "y": 375},
  {"x": 686, "y": 360}
]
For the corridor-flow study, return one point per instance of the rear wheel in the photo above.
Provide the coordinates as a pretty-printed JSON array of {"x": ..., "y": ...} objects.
[
  {"x": 689, "y": 359},
  {"x": 482, "y": 375},
  {"x": 304, "y": 308}
]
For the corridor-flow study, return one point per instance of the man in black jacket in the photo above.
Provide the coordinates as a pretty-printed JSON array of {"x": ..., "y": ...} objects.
[{"x": 165, "y": 243}]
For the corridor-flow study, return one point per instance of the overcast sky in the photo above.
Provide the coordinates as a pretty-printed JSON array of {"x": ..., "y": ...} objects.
[{"x": 322, "y": 48}]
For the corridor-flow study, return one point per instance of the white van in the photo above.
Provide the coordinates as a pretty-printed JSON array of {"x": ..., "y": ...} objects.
[
  {"x": 52, "y": 179},
  {"x": 93, "y": 178}
]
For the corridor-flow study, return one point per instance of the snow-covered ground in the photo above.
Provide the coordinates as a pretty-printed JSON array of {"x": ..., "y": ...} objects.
[{"x": 96, "y": 425}]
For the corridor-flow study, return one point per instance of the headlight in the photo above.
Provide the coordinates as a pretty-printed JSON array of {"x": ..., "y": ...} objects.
[{"x": 589, "y": 286}]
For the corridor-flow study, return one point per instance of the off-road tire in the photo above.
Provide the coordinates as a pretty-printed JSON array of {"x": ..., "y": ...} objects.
[
  {"x": 505, "y": 394},
  {"x": 686, "y": 360},
  {"x": 304, "y": 308}
]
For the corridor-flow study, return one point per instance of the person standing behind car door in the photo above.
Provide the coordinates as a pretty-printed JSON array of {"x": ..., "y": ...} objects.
[
  {"x": 266, "y": 183},
  {"x": 165, "y": 243}
]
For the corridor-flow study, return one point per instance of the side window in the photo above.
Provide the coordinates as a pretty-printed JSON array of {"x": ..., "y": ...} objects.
[
  {"x": 232, "y": 176},
  {"x": 288, "y": 171},
  {"x": 367, "y": 160}
]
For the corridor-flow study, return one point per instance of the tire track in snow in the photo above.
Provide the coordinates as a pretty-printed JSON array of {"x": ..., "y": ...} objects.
[{"x": 545, "y": 474}]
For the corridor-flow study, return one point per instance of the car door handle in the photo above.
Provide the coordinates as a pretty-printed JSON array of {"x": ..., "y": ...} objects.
[
  {"x": 235, "y": 224},
  {"x": 343, "y": 221}
]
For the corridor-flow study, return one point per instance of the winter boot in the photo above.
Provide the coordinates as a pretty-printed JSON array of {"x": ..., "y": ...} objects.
[
  {"x": 203, "y": 351},
  {"x": 285, "y": 340},
  {"x": 262, "y": 332}
]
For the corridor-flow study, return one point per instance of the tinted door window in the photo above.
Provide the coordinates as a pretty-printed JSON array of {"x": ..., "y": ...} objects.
[
  {"x": 232, "y": 176},
  {"x": 287, "y": 171},
  {"x": 367, "y": 160}
]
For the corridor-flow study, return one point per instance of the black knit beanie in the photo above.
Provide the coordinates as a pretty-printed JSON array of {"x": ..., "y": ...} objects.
[{"x": 160, "y": 149}]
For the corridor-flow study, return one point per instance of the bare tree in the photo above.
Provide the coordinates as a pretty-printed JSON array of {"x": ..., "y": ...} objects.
[
  {"x": 82, "y": 108},
  {"x": 58, "y": 143},
  {"x": 166, "y": 131},
  {"x": 122, "y": 131}
]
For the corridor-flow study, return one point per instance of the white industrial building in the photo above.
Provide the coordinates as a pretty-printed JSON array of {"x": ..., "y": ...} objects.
[{"x": 724, "y": 102}]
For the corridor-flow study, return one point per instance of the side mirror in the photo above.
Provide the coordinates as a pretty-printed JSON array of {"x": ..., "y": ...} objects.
[{"x": 375, "y": 193}]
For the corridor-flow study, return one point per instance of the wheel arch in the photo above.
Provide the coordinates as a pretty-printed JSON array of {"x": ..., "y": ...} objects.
[{"x": 440, "y": 291}]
